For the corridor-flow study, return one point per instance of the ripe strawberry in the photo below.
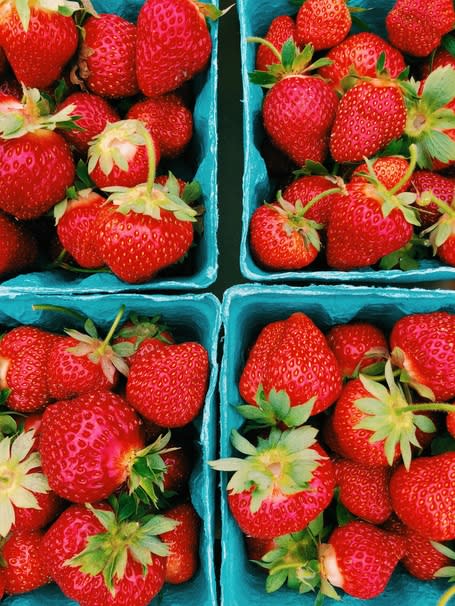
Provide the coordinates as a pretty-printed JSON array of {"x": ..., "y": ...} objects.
[
  {"x": 183, "y": 544},
  {"x": 94, "y": 113},
  {"x": 422, "y": 497},
  {"x": 168, "y": 120},
  {"x": 442, "y": 233},
  {"x": 428, "y": 186},
  {"x": 38, "y": 40},
  {"x": 423, "y": 345},
  {"x": 19, "y": 250},
  {"x": 2, "y": 583},
  {"x": 356, "y": 345},
  {"x": 292, "y": 355},
  {"x": 388, "y": 170},
  {"x": 359, "y": 54},
  {"x": 25, "y": 568},
  {"x": 322, "y": 23},
  {"x": 451, "y": 424},
  {"x": 168, "y": 385},
  {"x": 306, "y": 188},
  {"x": 439, "y": 58},
  {"x": 20, "y": 337},
  {"x": 145, "y": 335},
  {"x": 416, "y": 26},
  {"x": 107, "y": 57},
  {"x": 281, "y": 29},
  {"x": 173, "y": 43},
  {"x": 98, "y": 560},
  {"x": 178, "y": 467},
  {"x": 76, "y": 227}
]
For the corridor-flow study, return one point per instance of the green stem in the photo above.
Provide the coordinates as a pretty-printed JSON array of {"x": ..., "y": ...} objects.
[
  {"x": 266, "y": 43},
  {"x": 286, "y": 566},
  {"x": 448, "y": 210},
  {"x": 445, "y": 598},
  {"x": 434, "y": 406},
  {"x": 102, "y": 348},
  {"x": 324, "y": 194},
  {"x": 409, "y": 171},
  {"x": 151, "y": 157},
  {"x": 62, "y": 310},
  {"x": 396, "y": 373}
]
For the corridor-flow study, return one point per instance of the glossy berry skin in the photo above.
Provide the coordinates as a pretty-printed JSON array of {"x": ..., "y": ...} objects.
[
  {"x": 19, "y": 250},
  {"x": 33, "y": 519},
  {"x": 26, "y": 569},
  {"x": 440, "y": 58},
  {"x": 138, "y": 166},
  {"x": 173, "y": 45},
  {"x": 281, "y": 29},
  {"x": 35, "y": 171},
  {"x": 322, "y": 23},
  {"x": 298, "y": 113},
  {"x": 389, "y": 170},
  {"x": 93, "y": 112},
  {"x": 281, "y": 514},
  {"x": 292, "y": 355},
  {"x": 67, "y": 537},
  {"x": 169, "y": 121},
  {"x": 450, "y": 421},
  {"x": 425, "y": 183},
  {"x": 107, "y": 58},
  {"x": 428, "y": 344},
  {"x": 308, "y": 187},
  {"x": 168, "y": 386},
  {"x": 416, "y": 26},
  {"x": 423, "y": 497},
  {"x": 87, "y": 445},
  {"x": 183, "y": 542},
  {"x": 21, "y": 337},
  {"x": 38, "y": 55},
  {"x": 360, "y": 52}
]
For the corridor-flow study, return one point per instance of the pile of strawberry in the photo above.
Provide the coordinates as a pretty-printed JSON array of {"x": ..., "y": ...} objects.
[
  {"x": 91, "y": 106},
  {"x": 93, "y": 485},
  {"x": 338, "y": 503},
  {"x": 368, "y": 127}
]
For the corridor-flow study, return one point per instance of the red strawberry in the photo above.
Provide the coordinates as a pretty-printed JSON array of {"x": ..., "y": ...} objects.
[
  {"x": 322, "y": 23},
  {"x": 360, "y": 54},
  {"x": 26, "y": 569},
  {"x": 361, "y": 558},
  {"x": 423, "y": 497},
  {"x": 356, "y": 346},
  {"x": 107, "y": 57},
  {"x": 257, "y": 548},
  {"x": 416, "y": 26},
  {"x": 423, "y": 345},
  {"x": 281, "y": 29},
  {"x": 388, "y": 170},
  {"x": 38, "y": 40},
  {"x": 19, "y": 250},
  {"x": 442, "y": 233},
  {"x": 363, "y": 490},
  {"x": 183, "y": 543},
  {"x": 145, "y": 335},
  {"x": 428, "y": 186},
  {"x": 173, "y": 43},
  {"x": 451, "y": 424},
  {"x": 168, "y": 120},
  {"x": 440, "y": 58},
  {"x": 132, "y": 573},
  {"x": 306, "y": 188},
  {"x": 3, "y": 63},
  {"x": 292, "y": 355},
  {"x": 178, "y": 467},
  {"x": 76, "y": 227},
  {"x": 168, "y": 385},
  {"x": 94, "y": 113},
  {"x": 2, "y": 583}
]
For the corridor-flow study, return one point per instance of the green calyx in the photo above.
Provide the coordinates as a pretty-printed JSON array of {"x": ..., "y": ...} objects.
[
  {"x": 63, "y": 7},
  {"x": 141, "y": 328},
  {"x": 107, "y": 553},
  {"x": 398, "y": 359},
  {"x": 444, "y": 227},
  {"x": 447, "y": 571},
  {"x": 8, "y": 424},
  {"x": 295, "y": 221},
  {"x": 211, "y": 11},
  {"x": 282, "y": 463},
  {"x": 292, "y": 62}
]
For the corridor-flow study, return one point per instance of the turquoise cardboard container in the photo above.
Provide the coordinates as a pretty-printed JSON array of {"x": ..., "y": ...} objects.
[
  {"x": 190, "y": 317},
  {"x": 258, "y": 187},
  {"x": 203, "y": 268},
  {"x": 246, "y": 310}
]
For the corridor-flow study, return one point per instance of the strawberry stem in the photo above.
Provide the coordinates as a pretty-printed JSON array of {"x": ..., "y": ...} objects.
[
  {"x": 266, "y": 43},
  {"x": 151, "y": 157},
  {"x": 60, "y": 309},
  {"x": 434, "y": 406},
  {"x": 407, "y": 175},
  {"x": 102, "y": 348},
  {"x": 445, "y": 598},
  {"x": 324, "y": 194}
]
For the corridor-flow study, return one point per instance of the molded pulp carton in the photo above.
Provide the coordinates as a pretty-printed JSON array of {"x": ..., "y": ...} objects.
[
  {"x": 199, "y": 162},
  {"x": 246, "y": 310},
  {"x": 190, "y": 317},
  {"x": 258, "y": 187}
]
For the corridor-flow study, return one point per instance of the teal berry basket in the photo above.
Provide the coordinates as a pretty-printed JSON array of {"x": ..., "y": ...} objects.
[
  {"x": 246, "y": 310},
  {"x": 259, "y": 187},
  {"x": 190, "y": 317},
  {"x": 199, "y": 162}
]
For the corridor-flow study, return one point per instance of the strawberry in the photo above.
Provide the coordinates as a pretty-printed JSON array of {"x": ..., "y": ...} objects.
[
  {"x": 363, "y": 490},
  {"x": 183, "y": 542},
  {"x": 168, "y": 385},
  {"x": 359, "y": 55},
  {"x": 416, "y": 26},
  {"x": 19, "y": 250},
  {"x": 283, "y": 484},
  {"x": 356, "y": 345},
  {"x": 76, "y": 227},
  {"x": 292, "y": 355},
  {"x": 442, "y": 233},
  {"x": 257, "y": 548},
  {"x": 94, "y": 113},
  {"x": 422, "y": 497},
  {"x": 306, "y": 188},
  {"x": 178, "y": 467},
  {"x": 173, "y": 43},
  {"x": 25, "y": 568},
  {"x": 3, "y": 63},
  {"x": 423, "y": 345},
  {"x": 38, "y": 40},
  {"x": 322, "y": 23},
  {"x": 428, "y": 186},
  {"x": 99, "y": 557},
  {"x": 439, "y": 58},
  {"x": 107, "y": 57},
  {"x": 145, "y": 335},
  {"x": 2, "y": 583},
  {"x": 388, "y": 170},
  {"x": 281, "y": 29},
  {"x": 168, "y": 120},
  {"x": 451, "y": 424}
]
